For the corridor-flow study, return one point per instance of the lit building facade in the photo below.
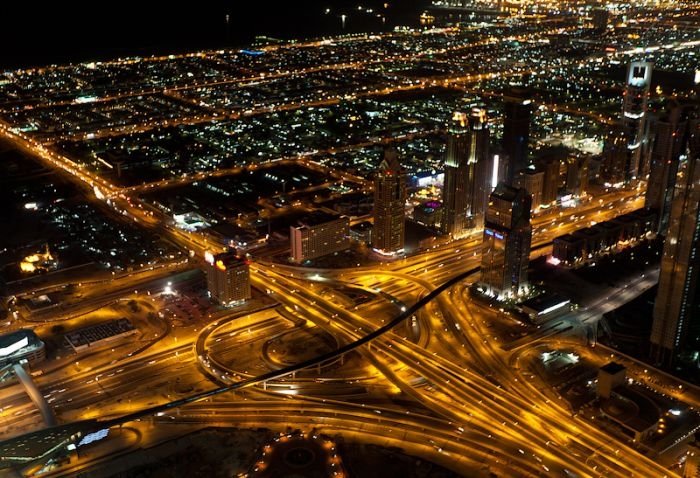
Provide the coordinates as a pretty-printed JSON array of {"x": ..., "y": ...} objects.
[
  {"x": 615, "y": 156},
  {"x": 669, "y": 144},
  {"x": 228, "y": 278},
  {"x": 676, "y": 328},
  {"x": 507, "y": 239},
  {"x": 634, "y": 118},
  {"x": 577, "y": 170},
  {"x": 466, "y": 172},
  {"x": 389, "y": 231},
  {"x": 533, "y": 182},
  {"x": 318, "y": 235}
]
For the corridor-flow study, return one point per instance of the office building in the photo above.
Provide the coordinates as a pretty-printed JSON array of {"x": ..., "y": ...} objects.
[
  {"x": 577, "y": 169},
  {"x": 454, "y": 193},
  {"x": 600, "y": 17},
  {"x": 318, "y": 234},
  {"x": 550, "y": 181},
  {"x": 676, "y": 328},
  {"x": 669, "y": 144},
  {"x": 610, "y": 376},
  {"x": 531, "y": 181},
  {"x": 615, "y": 156},
  {"x": 516, "y": 131},
  {"x": 507, "y": 239},
  {"x": 634, "y": 118},
  {"x": 228, "y": 277},
  {"x": 428, "y": 213},
  {"x": 389, "y": 206},
  {"x": 466, "y": 172}
]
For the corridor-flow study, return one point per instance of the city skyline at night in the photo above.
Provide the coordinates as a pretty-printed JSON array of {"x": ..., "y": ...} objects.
[{"x": 437, "y": 238}]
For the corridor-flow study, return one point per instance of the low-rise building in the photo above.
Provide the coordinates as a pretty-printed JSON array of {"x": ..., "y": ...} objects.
[
  {"x": 317, "y": 235},
  {"x": 20, "y": 345}
]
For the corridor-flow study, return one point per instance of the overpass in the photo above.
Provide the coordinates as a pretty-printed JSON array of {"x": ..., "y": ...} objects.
[{"x": 28, "y": 448}]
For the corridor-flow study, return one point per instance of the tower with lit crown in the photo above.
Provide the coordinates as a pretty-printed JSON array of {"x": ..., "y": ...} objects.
[
  {"x": 389, "y": 230},
  {"x": 634, "y": 117},
  {"x": 466, "y": 172}
]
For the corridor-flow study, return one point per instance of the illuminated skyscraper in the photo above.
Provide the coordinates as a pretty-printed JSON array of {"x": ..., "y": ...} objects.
[
  {"x": 507, "y": 238},
  {"x": 634, "y": 117},
  {"x": 454, "y": 193},
  {"x": 516, "y": 131},
  {"x": 466, "y": 172},
  {"x": 669, "y": 144},
  {"x": 676, "y": 328},
  {"x": 228, "y": 277},
  {"x": 389, "y": 206}
]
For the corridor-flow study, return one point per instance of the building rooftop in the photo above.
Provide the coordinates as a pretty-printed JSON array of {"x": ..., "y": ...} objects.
[
  {"x": 228, "y": 259},
  {"x": 612, "y": 368},
  {"x": 505, "y": 192},
  {"x": 18, "y": 340},
  {"x": 316, "y": 218}
]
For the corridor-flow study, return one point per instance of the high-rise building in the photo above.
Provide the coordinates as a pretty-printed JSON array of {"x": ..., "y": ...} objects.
[
  {"x": 507, "y": 238},
  {"x": 676, "y": 328},
  {"x": 228, "y": 277},
  {"x": 516, "y": 131},
  {"x": 481, "y": 165},
  {"x": 634, "y": 116},
  {"x": 577, "y": 175},
  {"x": 389, "y": 206},
  {"x": 317, "y": 235},
  {"x": 551, "y": 167},
  {"x": 531, "y": 181},
  {"x": 669, "y": 144},
  {"x": 466, "y": 172},
  {"x": 615, "y": 156},
  {"x": 454, "y": 193},
  {"x": 600, "y": 18}
]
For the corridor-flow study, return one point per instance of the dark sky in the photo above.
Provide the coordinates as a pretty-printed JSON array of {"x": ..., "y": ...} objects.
[{"x": 36, "y": 33}]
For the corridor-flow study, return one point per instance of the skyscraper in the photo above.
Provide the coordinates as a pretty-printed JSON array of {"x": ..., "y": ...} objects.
[
  {"x": 454, "y": 193},
  {"x": 466, "y": 172},
  {"x": 634, "y": 116},
  {"x": 516, "y": 131},
  {"x": 507, "y": 238},
  {"x": 676, "y": 327},
  {"x": 228, "y": 277},
  {"x": 615, "y": 156},
  {"x": 531, "y": 181},
  {"x": 551, "y": 167},
  {"x": 669, "y": 144},
  {"x": 482, "y": 166},
  {"x": 600, "y": 17},
  {"x": 389, "y": 206},
  {"x": 577, "y": 175}
]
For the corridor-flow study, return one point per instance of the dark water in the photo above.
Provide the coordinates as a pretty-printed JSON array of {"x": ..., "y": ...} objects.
[{"x": 39, "y": 33}]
